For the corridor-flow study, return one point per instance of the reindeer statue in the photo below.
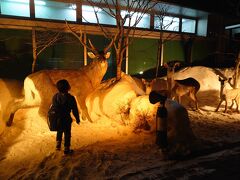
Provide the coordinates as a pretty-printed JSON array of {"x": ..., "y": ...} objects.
[
  {"x": 179, "y": 88},
  {"x": 228, "y": 94},
  {"x": 39, "y": 87}
]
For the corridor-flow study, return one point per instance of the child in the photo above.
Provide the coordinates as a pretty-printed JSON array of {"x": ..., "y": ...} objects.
[{"x": 66, "y": 103}]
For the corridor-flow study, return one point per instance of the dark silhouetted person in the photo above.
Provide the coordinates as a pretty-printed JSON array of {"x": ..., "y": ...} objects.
[
  {"x": 161, "y": 120},
  {"x": 66, "y": 104}
]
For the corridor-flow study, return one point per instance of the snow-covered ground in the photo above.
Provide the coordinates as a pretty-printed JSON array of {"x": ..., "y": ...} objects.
[{"x": 109, "y": 149}]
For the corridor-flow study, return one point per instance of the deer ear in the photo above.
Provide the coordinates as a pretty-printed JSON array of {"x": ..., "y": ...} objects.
[
  {"x": 91, "y": 55},
  {"x": 177, "y": 64},
  {"x": 143, "y": 80},
  {"x": 107, "y": 55},
  {"x": 165, "y": 65}
]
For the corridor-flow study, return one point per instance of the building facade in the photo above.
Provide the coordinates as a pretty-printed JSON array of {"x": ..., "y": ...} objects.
[{"x": 187, "y": 32}]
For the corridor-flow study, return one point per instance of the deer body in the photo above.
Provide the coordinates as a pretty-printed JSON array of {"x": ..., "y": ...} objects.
[
  {"x": 189, "y": 86},
  {"x": 228, "y": 94},
  {"x": 179, "y": 88},
  {"x": 39, "y": 87}
]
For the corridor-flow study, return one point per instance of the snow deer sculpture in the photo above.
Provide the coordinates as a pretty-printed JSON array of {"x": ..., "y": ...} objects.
[
  {"x": 39, "y": 87},
  {"x": 179, "y": 88},
  {"x": 228, "y": 94}
]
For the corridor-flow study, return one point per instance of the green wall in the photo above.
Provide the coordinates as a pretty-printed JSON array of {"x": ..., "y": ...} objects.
[
  {"x": 61, "y": 56},
  {"x": 202, "y": 49},
  {"x": 142, "y": 55},
  {"x": 17, "y": 46},
  {"x": 15, "y": 53},
  {"x": 173, "y": 50}
]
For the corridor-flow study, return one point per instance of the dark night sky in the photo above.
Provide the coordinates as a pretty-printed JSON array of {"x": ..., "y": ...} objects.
[{"x": 225, "y": 7}]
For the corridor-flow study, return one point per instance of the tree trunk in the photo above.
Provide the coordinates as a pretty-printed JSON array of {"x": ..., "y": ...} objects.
[
  {"x": 34, "y": 46},
  {"x": 119, "y": 71},
  {"x": 119, "y": 64}
]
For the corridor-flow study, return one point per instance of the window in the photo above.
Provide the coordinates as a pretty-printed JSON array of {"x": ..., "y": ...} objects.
[
  {"x": 15, "y": 8},
  {"x": 167, "y": 23},
  {"x": 55, "y": 10},
  {"x": 137, "y": 19},
  {"x": 188, "y": 25},
  {"x": 88, "y": 15}
]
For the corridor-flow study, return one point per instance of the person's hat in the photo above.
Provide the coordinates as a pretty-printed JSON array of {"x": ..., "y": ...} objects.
[{"x": 155, "y": 97}]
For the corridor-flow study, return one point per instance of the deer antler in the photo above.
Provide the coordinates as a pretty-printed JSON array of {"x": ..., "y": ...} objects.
[
  {"x": 111, "y": 43},
  {"x": 91, "y": 47}
]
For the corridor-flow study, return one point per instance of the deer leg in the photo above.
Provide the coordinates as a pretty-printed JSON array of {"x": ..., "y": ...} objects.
[
  {"x": 14, "y": 106},
  {"x": 232, "y": 104},
  {"x": 84, "y": 110},
  {"x": 179, "y": 99},
  {"x": 219, "y": 105},
  {"x": 193, "y": 96},
  {"x": 237, "y": 106},
  {"x": 225, "y": 106},
  {"x": 10, "y": 120}
]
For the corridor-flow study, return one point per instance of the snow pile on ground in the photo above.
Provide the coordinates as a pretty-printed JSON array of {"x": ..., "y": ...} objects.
[
  {"x": 108, "y": 149},
  {"x": 132, "y": 108}
]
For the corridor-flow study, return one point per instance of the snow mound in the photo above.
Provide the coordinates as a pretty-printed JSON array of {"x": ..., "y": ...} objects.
[
  {"x": 123, "y": 102},
  {"x": 112, "y": 99},
  {"x": 207, "y": 77},
  {"x": 112, "y": 151}
]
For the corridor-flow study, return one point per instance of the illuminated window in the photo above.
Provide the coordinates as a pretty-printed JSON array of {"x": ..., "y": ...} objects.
[
  {"x": 137, "y": 19},
  {"x": 167, "y": 23},
  {"x": 188, "y": 25},
  {"x": 55, "y": 10},
  {"x": 88, "y": 15},
  {"x": 15, "y": 8}
]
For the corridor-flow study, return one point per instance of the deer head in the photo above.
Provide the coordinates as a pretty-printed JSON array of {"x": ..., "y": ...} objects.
[
  {"x": 224, "y": 80},
  {"x": 148, "y": 85},
  {"x": 94, "y": 53},
  {"x": 171, "y": 68}
]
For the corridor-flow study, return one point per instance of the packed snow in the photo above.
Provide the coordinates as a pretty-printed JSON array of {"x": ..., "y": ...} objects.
[{"x": 120, "y": 143}]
